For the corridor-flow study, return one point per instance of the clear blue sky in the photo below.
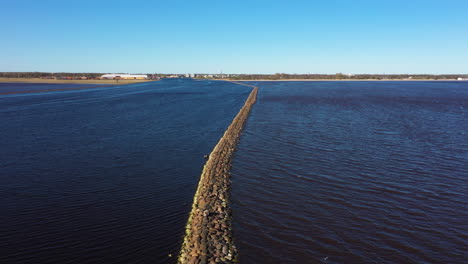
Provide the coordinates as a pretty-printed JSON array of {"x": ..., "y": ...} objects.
[{"x": 349, "y": 36}]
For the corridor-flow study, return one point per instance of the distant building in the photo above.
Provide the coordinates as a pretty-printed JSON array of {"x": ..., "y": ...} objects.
[
  {"x": 125, "y": 76},
  {"x": 462, "y": 79}
]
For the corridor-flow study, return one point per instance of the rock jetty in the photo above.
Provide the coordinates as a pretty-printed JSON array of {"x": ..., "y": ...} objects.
[{"x": 208, "y": 237}]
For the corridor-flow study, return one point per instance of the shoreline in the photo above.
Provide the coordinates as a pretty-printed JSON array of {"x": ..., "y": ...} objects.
[
  {"x": 52, "y": 81},
  {"x": 208, "y": 233},
  {"x": 343, "y": 80}
]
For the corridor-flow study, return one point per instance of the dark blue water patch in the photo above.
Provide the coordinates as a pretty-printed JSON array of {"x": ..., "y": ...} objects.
[
  {"x": 10, "y": 88},
  {"x": 353, "y": 172},
  {"x": 106, "y": 175}
]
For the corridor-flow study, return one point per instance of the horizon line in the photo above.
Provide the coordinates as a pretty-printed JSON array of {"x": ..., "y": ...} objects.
[{"x": 222, "y": 73}]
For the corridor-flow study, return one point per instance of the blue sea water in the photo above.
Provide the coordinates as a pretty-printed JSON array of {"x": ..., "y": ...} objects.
[
  {"x": 353, "y": 172},
  {"x": 326, "y": 172},
  {"x": 105, "y": 175},
  {"x": 16, "y": 88}
]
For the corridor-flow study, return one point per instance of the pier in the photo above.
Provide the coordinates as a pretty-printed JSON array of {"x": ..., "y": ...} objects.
[{"x": 208, "y": 237}]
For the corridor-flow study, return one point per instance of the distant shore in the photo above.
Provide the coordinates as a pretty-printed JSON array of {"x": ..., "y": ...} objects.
[
  {"x": 334, "y": 80},
  {"x": 38, "y": 80}
]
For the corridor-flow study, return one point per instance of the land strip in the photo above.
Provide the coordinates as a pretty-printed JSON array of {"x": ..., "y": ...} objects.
[
  {"x": 335, "y": 80},
  {"x": 39, "y": 80},
  {"x": 208, "y": 237}
]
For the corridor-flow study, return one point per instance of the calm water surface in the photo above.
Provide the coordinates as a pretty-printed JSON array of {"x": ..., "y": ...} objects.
[
  {"x": 105, "y": 175},
  {"x": 354, "y": 172}
]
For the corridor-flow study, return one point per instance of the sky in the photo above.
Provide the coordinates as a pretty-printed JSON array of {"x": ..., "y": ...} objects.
[{"x": 255, "y": 36}]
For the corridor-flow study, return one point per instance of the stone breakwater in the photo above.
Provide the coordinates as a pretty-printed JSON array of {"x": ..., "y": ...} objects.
[{"x": 208, "y": 237}]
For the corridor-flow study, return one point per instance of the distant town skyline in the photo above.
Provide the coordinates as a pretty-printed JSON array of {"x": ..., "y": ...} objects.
[{"x": 252, "y": 37}]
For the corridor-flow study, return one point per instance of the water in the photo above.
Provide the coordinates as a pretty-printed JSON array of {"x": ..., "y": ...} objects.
[
  {"x": 353, "y": 172},
  {"x": 105, "y": 175},
  {"x": 17, "y": 88}
]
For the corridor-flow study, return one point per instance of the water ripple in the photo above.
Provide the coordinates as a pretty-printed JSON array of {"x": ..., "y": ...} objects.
[
  {"x": 326, "y": 174},
  {"x": 106, "y": 175}
]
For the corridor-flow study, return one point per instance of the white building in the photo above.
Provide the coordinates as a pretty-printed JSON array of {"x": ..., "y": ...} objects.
[
  {"x": 125, "y": 76},
  {"x": 462, "y": 79}
]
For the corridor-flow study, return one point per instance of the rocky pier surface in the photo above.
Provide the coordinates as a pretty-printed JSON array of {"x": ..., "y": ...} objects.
[{"x": 208, "y": 237}]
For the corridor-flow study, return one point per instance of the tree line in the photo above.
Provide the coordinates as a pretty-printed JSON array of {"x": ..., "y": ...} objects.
[
  {"x": 50, "y": 74},
  {"x": 277, "y": 76},
  {"x": 47, "y": 74},
  {"x": 340, "y": 76}
]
